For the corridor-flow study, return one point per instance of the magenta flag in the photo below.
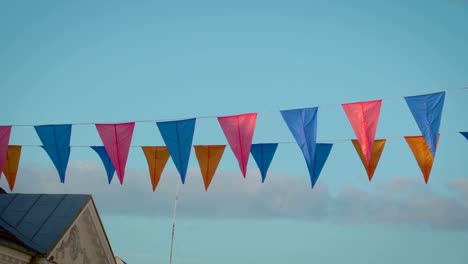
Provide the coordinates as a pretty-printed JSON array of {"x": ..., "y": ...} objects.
[
  {"x": 239, "y": 130},
  {"x": 364, "y": 117},
  {"x": 5, "y": 132},
  {"x": 117, "y": 139}
]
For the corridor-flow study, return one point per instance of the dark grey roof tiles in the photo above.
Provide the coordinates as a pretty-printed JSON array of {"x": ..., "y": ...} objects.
[{"x": 39, "y": 220}]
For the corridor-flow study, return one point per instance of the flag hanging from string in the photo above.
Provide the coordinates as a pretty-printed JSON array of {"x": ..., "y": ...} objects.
[
  {"x": 322, "y": 151},
  {"x": 157, "y": 158},
  {"x": 178, "y": 136},
  {"x": 427, "y": 111},
  {"x": 208, "y": 158},
  {"x": 364, "y": 117},
  {"x": 263, "y": 155},
  {"x": 56, "y": 142},
  {"x": 11, "y": 165},
  {"x": 303, "y": 125},
  {"x": 117, "y": 139},
  {"x": 422, "y": 154},
  {"x": 108, "y": 166},
  {"x": 5, "y": 132},
  {"x": 239, "y": 131},
  {"x": 377, "y": 149}
]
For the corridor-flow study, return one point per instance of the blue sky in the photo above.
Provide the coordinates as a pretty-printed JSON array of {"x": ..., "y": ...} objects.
[{"x": 113, "y": 61}]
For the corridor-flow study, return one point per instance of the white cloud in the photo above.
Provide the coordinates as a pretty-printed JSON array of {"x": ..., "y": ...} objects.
[{"x": 399, "y": 201}]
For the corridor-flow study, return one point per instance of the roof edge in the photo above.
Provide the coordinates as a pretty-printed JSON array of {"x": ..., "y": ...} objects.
[{"x": 49, "y": 250}]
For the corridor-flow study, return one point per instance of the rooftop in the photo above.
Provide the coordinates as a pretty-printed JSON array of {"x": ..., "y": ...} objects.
[{"x": 35, "y": 222}]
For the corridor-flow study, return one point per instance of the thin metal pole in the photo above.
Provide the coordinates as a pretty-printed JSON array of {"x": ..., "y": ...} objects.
[{"x": 174, "y": 221}]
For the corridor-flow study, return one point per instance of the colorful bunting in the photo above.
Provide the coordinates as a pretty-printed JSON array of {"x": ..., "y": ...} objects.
[
  {"x": 156, "y": 158},
  {"x": 56, "y": 142},
  {"x": 422, "y": 153},
  {"x": 5, "y": 132},
  {"x": 178, "y": 136},
  {"x": 117, "y": 139},
  {"x": 377, "y": 149},
  {"x": 465, "y": 134},
  {"x": 263, "y": 155},
  {"x": 322, "y": 151},
  {"x": 427, "y": 111},
  {"x": 364, "y": 117},
  {"x": 110, "y": 169},
  {"x": 239, "y": 131},
  {"x": 303, "y": 125},
  {"x": 208, "y": 159},
  {"x": 11, "y": 165}
]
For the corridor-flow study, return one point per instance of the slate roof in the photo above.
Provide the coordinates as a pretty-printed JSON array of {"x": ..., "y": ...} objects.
[{"x": 38, "y": 221}]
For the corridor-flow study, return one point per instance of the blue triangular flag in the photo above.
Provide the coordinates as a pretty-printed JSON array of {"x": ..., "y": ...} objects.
[
  {"x": 322, "y": 151},
  {"x": 427, "y": 111},
  {"x": 178, "y": 136},
  {"x": 263, "y": 155},
  {"x": 303, "y": 125},
  {"x": 465, "y": 134},
  {"x": 110, "y": 169},
  {"x": 56, "y": 142}
]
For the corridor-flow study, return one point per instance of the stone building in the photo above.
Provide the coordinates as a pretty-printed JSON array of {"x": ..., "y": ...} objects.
[{"x": 52, "y": 228}]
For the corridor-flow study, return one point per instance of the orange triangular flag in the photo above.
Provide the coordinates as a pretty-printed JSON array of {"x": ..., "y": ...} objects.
[
  {"x": 422, "y": 153},
  {"x": 208, "y": 158},
  {"x": 11, "y": 165},
  {"x": 377, "y": 149},
  {"x": 157, "y": 158}
]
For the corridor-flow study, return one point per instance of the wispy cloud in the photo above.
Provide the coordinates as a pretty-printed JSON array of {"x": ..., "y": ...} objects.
[{"x": 400, "y": 201}]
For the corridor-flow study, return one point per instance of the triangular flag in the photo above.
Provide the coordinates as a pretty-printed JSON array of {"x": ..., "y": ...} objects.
[
  {"x": 5, "y": 132},
  {"x": 239, "y": 131},
  {"x": 427, "y": 111},
  {"x": 156, "y": 157},
  {"x": 178, "y": 137},
  {"x": 303, "y": 125},
  {"x": 208, "y": 158},
  {"x": 465, "y": 134},
  {"x": 117, "y": 139},
  {"x": 377, "y": 149},
  {"x": 364, "y": 117},
  {"x": 263, "y": 155},
  {"x": 422, "y": 153},
  {"x": 322, "y": 151},
  {"x": 110, "y": 169},
  {"x": 56, "y": 142},
  {"x": 11, "y": 165}
]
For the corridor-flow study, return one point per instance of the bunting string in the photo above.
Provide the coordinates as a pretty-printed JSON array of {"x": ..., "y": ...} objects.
[
  {"x": 239, "y": 130},
  {"x": 335, "y": 141},
  {"x": 392, "y": 98}
]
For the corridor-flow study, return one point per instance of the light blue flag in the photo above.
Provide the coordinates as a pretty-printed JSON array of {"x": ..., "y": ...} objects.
[
  {"x": 322, "y": 151},
  {"x": 303, "y": 125},
  {"x": 110, "y": 169},
  {"x": 427, "y": 111},
  {"x": 263, "y": 155},
  {"x": 178, "y": 137},
  {"x": 56, "y": 142}
]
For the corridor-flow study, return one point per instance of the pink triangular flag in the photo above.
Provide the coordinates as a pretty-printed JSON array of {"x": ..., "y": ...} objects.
[
  {"x": 5, "y": 132},
  {"x": 117, "y": 139},
  {"x": 239, "y": 130},
  {"x": 364, "y": 117}
]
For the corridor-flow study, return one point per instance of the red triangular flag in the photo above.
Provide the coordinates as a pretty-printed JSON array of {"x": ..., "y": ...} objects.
[
  {"x": 239, "y": 130},
  {"x": 117, "y": 139},
  {"x": 364, "y": 117}
]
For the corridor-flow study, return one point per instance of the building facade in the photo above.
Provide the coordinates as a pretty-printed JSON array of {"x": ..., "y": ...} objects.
[{"x": 52, "y": 228}]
